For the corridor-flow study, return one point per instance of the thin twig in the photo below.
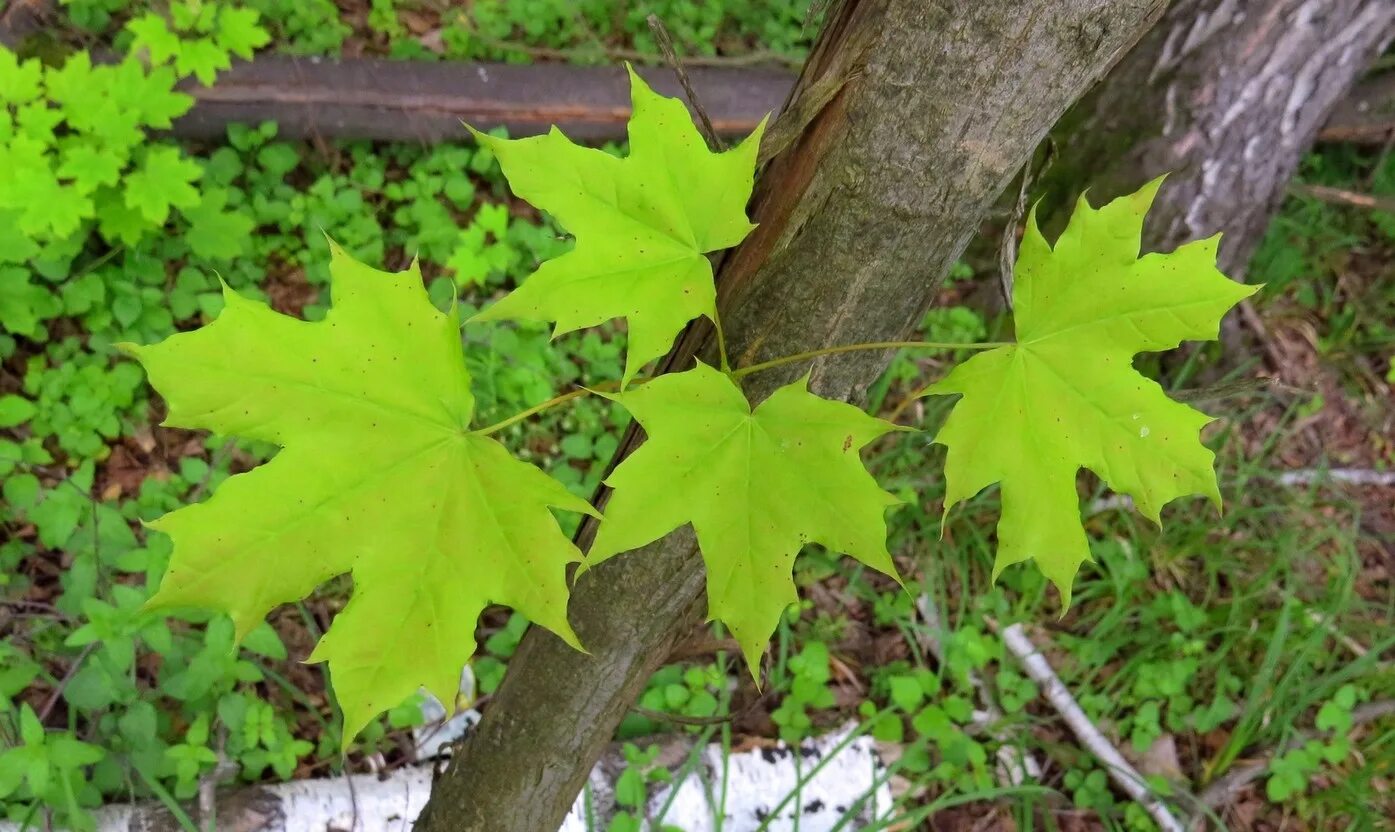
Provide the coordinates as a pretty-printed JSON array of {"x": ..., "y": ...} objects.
[
  {"x": 741, "y": 372},
  {"x": 223, "y": 770},
  {"x": 1286, "y": 479},
  {"x": 1232, "y": 389},
  {"x": 1015, "y": 764},
  {"x": 1345, "y": 476},
  {"x": 692, "y": 648},
  {"x": 1124, "y": 775},
  {"x": 1341, "y": 196},
  {"x": 666, "y": 46},
  {"x": 52, "y": 701},
  {"x": 1357, "y": 648},
  {"x": 682, "y": 719}
]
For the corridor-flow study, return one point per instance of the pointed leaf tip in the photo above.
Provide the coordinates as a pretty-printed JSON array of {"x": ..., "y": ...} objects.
[{"x": 678, "y": 202}]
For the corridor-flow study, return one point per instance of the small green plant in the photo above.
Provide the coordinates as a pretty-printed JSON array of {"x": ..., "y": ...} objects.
[
  {"x": 632, "y": 788},
  {"x": 808, "y": 691},
  {"x": 49, "y": 768},
  {"x": 1292, "y": 772}
]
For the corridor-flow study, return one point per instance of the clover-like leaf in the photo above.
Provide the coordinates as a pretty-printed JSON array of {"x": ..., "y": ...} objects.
[
  {"x": 214, "y": 232},
  {"x": 756, "y": 487},
  {"x": 1066, "y": 396},
  {"x": 379, "y": 475},
  {"x": 643, "y": 224}
]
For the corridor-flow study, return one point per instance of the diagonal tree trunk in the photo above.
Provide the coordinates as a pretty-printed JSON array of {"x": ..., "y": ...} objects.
[
  {"x": 938, "y": 104},
  {"x": 1227, "y": 96}
]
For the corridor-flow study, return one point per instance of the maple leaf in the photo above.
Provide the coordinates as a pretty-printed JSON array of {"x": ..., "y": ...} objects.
[
  {"x": 240, "y": 31},
  {"x": 202, "y": 58},
  {"x": 642, "y": 224},
  {"x": 20, "y": 81},
  {"x": 22, "y": 303},
  {"x": 756, "y": 487},
  {"x": 29, "y": 186},
  {"x": 151, "y": 33},
  {"x": 379, "y": 475},
  {"x": 15, "y": 245},
  {"x": 90, "y": 167},
  {"x": 1066, "y": 396},
  {"x": 162, "y": 180}
]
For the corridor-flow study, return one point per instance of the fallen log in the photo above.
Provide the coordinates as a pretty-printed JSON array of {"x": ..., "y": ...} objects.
[
  {"x": 373, "y": 98},
  {"x": 21, "y": 18},
  {"x": 1366, "y": 116},
  {"x": 428, "y": 102}
]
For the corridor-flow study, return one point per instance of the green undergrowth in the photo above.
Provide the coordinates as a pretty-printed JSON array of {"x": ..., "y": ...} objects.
[
  {"x": 514, "y": 31},
  {"x": 1327, "y": 266},
  {"x": 84, "y": 460}
]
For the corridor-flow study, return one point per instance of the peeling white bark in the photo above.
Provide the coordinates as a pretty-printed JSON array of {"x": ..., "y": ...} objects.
[{"x": 851, "y": 781}]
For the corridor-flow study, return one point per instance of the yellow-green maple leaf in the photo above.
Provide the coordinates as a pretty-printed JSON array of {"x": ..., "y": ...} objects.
[
  {"x": 379, "y": 475},
  {"x": 643, "y": 224},
  {"x": 756, "y": 487},
  {"x": 1066, "y": 396}
]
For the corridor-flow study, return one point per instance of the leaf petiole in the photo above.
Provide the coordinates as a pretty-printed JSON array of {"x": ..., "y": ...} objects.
[
  {"x": 606, "y": 387},
  {"x": 539, "y": 408},
  {"x": 874, "y": 345}
]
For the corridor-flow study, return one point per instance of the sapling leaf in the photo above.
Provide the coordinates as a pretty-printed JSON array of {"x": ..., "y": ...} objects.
[
  {"x": 164, "y": 179},
  {"x": 240, "y": 31},
  {"x": 756, "y": 486},
  {"x": 643, "y": 224},
  {"x": 379, "y": 475},
  {"x": 1066, "y": 396}
]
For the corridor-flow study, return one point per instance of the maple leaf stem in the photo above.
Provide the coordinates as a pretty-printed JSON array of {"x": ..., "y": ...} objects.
[
  {"x": 547, "y": 405},
  {"x": 721, "y": 341},
  {"x": 609, "y": 386},
  {"x": 874, "y": 345}
]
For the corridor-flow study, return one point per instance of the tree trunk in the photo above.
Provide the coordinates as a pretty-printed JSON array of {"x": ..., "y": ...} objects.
[
  {"x": 860, "y": 218},
  {"x": 1227, "y": 96}
]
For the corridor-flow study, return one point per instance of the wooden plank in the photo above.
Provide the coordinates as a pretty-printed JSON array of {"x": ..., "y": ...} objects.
[
  {"x": 371, "y": 98},
  {"x": 1366, "y": 115},
  {"x": 21, "y": 18}
]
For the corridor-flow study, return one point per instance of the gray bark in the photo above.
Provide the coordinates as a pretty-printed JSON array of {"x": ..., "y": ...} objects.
[
  {"x": 860, "y": 219},
  {"x": 1227, "y": 96}
]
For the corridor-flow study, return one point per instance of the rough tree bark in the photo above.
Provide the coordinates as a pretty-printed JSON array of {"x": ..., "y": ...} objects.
[
  {"x": 859, "y": 220},
  {"x": 1227, "y": 95}
]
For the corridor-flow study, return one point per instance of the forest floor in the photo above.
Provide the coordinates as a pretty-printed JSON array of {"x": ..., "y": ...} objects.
[{"x": 1197, "y": 649}]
